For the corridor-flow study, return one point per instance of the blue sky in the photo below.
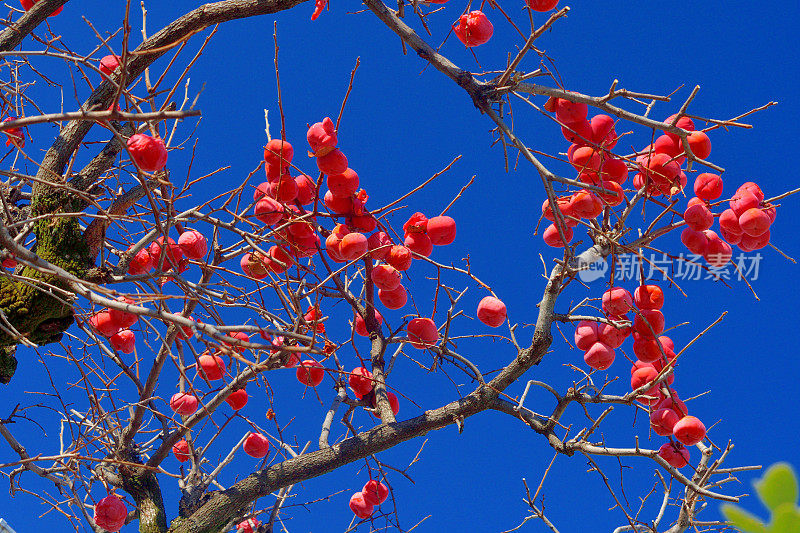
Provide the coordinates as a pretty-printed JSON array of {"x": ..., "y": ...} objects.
[{"x": 402, "y": 125}]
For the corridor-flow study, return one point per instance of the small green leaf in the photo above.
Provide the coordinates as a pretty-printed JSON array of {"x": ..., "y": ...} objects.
[
  {"x": 785, "y": 519},
  {"x": 742, "y": 520},
  {"x": 778, "y": 486}
]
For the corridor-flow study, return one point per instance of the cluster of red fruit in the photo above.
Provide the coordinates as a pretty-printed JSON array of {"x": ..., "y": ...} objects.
[
  {"x": 280, "y": 200},
  {"x": 114, "y": 324},
  {"x": 746, "y": 223},
  {"x": 590, "y": 156},
  {"x": 669, "y": 416},
  {"x": 363, "y": 503},
  {"x": 110, "y": 513},
  {"x": 191, "y": 245}
]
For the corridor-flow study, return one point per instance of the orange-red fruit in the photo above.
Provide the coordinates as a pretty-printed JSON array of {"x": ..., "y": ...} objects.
[
  {"x": 748, "y": 243},
  {"x": 552, "y": 238},
  {"x": 393, "y": 299},
  {"x": 754, "y": 222},
  {"x": 669, "y": 146},
  {"x": 599, "y": 356},
  {"x": 252, "y": 266},
  {"x": 340, "y": 206},
  {"x": 586, "y": 157},
  {"x": 753, "y": 189},
  {"x": 109, "y": 64},
  {"x": 578, "y": 133},
  {"x": 306, "y": 189},
  {"x": 365, "y": 223},
  {"x": 718, "y": 252},
  {"x": 256, "y": 445},
  {"x": 615, "y": 170},
  {"x": 700, "y": 144},
  {"x": 278, "y": 153},
  {"x": 617, "y": 301},
  {"x": 284, "y": 189},
  {"x": 689, "y": 430},
  {"x": 181, "y": 451},
  {"x": 708, "y": 186},
  {"x": 570, "y": 112},
  {"x": 110, "y": 513},
  {"x": 343, "y": 185},
  {"x": 684, "y": 123},
  {"x": 698, "y": 217},
  {"x": 654, "y": 318},
  {"x": 332, "y": 163},
  {"x": 237, "y": 399},
  {"x": 422, "y": 333},
  {"x": 603, "y": 133},
  {"x": 268, "y": 210},
  {"x": 648, "y": 297},
  {"x": 492, "y": 311},
  {"x": 353, "y": 246},
  {"x": 123, "y": 319},
  {"x": 393, "y": 403},
  {"x": 375, "y": 492},
  {"x": 673, "y": 403},
  {"x": 310, "y": 373},
  {"x": 663, "y": 420},
  {"x": 399, "y": 257},
  {"x": 103, "y": 324},
  {"x": 385, "y": 277},
  {"x": 674, "y": 454},
  {"x": 360, "y": 507},
  {"x": 585, "y": 204},
  {"x": 149, "y": 153},
  {"x": 642, "y": 377},
  {"x": 441, "y": 230},
  {"x": 360, "y": 381},
  {"x": 416, "y": 223},
  {"x": 586, "y": 334},
  {"x": 173, "y": 257},
  {"x": 541, "y": 5},
  {"x": 183, "y": 403},
  {"x": 361, "y": 324},
  {"x": 212, "y": 367},
  {"x": 646, "y": 349},
  {"x": 321, "y": 136},
  {"x": 247, "y": 526},
  {"x": 613, "y": 336},
  {"x": 379, "y": 245},
  {"x": 193, "y": 244},
  {"x": 141, "y": 263},
  {"x": 419, "y": 243},
  {"x": 564, "y": 205},
  {"x": 695, "y": 241},
  {"x": 615, "y": 196},
  {"x": 473, "y": 29},
  {"x": 278, "y": 260},
  {"x": 123, "y": 341}
]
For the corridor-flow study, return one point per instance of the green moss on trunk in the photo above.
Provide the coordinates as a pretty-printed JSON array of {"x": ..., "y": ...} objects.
[{"x": 34, "y": 306}]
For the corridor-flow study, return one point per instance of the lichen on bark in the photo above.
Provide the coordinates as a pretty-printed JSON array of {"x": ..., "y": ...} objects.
[{"x": 34, "y": 302}]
